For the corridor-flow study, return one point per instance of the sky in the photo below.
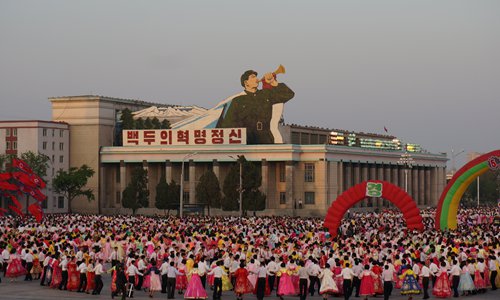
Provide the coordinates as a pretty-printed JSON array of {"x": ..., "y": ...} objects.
[{"x": 428, "y": 71}]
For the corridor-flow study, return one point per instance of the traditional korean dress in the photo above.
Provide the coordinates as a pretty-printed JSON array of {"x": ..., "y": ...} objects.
[
  {"x": 410, "y": 285},
  {"x": 194, "y": 288},
  {"x": 442, "y": 288},
  {"x": 328, "y": 285},
  {"x": 286, "y": 286},
  {"x": 367, "y": 287},
  {"x": 243, "y": 284},
  {"x": 15, "y": 268}
]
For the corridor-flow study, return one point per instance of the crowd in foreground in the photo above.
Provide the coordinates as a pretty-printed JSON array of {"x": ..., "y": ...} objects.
[{"x": 193, "y": 257}]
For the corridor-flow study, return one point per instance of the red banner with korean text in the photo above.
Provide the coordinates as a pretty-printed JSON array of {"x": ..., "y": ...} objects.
[{"x": 165, "y": 137}]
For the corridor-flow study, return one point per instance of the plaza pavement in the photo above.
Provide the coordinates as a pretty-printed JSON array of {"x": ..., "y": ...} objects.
[{"x": 32, "y": 290}]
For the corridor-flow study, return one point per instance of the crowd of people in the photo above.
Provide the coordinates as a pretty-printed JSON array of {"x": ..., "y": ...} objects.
[{"x": 193, "y": 257}]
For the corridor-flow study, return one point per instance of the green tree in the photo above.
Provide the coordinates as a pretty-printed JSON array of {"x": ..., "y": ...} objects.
[
  {"x": 139, "y": 123},
  {"x": 208, "y": 190},
  {"x": 71, "y": 183},
  {"x": 165, "y": 124},
  {"x": 173, "y": 197},
  {"x": 489, "y": 190},
  {"x": 136, "y": 194},
  {"x": 148, "y": 124},
  {"x": 252, "y": 180},
  {"x": 162, "y": 191},
  {"x": 156, "y": 123},
  {"x": 127, "y": 119}
]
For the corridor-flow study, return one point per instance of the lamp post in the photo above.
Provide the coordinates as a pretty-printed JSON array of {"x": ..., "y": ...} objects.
[
  {"x": 407, "y": 161},
  {"x": 240, "y": 189},
  {"x": 181, "y": 204},
  {"x": 453, "y": 156}
]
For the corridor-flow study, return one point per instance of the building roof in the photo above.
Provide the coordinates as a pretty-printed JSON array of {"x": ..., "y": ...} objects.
[{"x": 109, "y": 99}]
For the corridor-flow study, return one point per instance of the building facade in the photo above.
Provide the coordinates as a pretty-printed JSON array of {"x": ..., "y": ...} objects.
[
  {"x": 303, "y": 176},
  {"x": 44, "y": 137}
]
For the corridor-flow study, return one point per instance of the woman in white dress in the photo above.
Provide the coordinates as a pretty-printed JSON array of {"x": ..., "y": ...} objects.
[{"x": 328, "y": 285}]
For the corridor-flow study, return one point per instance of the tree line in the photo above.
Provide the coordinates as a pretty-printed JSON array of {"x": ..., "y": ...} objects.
[{"x": 208, "y": 191}]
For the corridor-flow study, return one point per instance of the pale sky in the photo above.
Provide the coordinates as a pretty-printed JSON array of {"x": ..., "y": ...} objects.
[{"x": 429, "y": 71}]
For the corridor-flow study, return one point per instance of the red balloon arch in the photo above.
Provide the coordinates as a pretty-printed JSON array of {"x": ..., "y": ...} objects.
[{"x": 373, "y": 188}]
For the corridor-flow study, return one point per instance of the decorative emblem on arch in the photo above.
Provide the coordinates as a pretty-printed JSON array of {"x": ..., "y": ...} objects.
[{"x": 373, "y": 188}]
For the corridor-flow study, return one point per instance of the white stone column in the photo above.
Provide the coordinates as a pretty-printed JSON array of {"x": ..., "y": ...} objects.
[
  {"x": 216, "y": 170},
  {"x": 414, "y": 184},
  {"x": 380, "y": 176},
  {"x": 333, "y": 181},
  {"x": 168, "y": 171},
  {"x": 123, "y": 182},
  {"x": 340, "y": 177},
  {"x": 289, "y": 178},
  {"x": 421, "y": 186},
  {"x": 434, "y": 187},
  {"x": 264, "y": 188},
  {"x": 192, "y": 182},
  {"x": 428, "y": 186}
]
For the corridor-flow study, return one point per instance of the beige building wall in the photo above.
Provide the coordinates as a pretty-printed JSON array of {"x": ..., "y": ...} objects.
[{"x": 92, "y": 120}]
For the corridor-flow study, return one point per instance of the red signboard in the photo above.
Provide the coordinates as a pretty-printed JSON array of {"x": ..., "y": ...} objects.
[{"x": 162, "y": 137}]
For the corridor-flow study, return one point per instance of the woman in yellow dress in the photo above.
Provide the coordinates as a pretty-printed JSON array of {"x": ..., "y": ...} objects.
[{"x": 226, "y": 283}]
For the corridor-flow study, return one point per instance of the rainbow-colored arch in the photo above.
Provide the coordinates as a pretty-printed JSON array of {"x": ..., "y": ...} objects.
[{"x": 446, "y": 215}]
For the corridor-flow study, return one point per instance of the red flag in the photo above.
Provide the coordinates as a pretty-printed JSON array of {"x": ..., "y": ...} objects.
[
  {"x": 16, "y": 210},
  {"x": 5, "y": 176},
  {"x": 36, "y": 211},
  {"x": 37, "y": 180},
  {"x": 4, "y": 185},
  {"x": 24, "y": 179},
  {"x": 33, "y": 192},
  {"x": 21, "y": 165},
  {"x": 15, "y": 201}
]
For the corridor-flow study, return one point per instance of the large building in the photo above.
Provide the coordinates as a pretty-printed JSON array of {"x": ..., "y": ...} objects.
[
  {"x": 45, "y": 137},
  {"x": 302, "y": 176}
]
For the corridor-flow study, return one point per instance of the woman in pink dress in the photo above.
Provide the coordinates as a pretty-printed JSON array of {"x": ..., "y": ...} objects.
[
  {"x": 442, "y": 287},
  {"x": 14, "y": 268},
  {"x": 338, "y": 279},
  {"x": 285, "y": 287},
  {"x": 194, "y": 288},
  {"x": 252, "y": 270},
  {"x": 367, "y": 287},
  {"x": 153, "y": 274}
]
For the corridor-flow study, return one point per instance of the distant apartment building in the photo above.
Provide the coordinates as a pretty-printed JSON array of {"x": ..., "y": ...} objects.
[{"x": 45, "y": 137}]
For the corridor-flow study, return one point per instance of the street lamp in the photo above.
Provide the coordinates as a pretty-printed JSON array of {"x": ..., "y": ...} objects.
[
  {"x": 407, "y": 161},
  {"x": 181, "y": 204},
  {"x": 453, "y": 156},
  {"x": 240, "y": 190}
]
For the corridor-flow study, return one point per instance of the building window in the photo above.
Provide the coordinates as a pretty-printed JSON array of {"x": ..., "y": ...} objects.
[
  {"x": 44, "y": 203},
  {"x": 44, "y": 132},
  {"x": 118, "y": 197},
  {"x": 53, "y": 132},
  {"x": 309, "y": 197},
  {"x": 7, "y": 132},
  {"x": 61, "y": 133},
  {"x": 309, "y": 172},
  {"x": 186, "y": 173},
  {"x": 8, "y": 145},
  {"x": 61, "y": 146},
  {"x": 282, "y": 197},
  {"x": 53, "y": 158},
  {"x": 60, "y": 202},
  {"x": 53, "y": 145},
  {"x": 14, "y": 131},
  {"x": 14, "y": 145},
  {"x": 186, "y": 196},
  {"x": 282, "y": 171},
  {"x": 61, "y": 159},
  {"x": 44, "y": 145},
  {"x": 54, "y": 201}
]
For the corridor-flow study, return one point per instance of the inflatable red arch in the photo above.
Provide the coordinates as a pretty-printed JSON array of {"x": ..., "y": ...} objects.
[{"x": 373, "y": 188}]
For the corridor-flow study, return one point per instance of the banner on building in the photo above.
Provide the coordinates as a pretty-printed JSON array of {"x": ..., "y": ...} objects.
[{"x": 165, "y": 137}]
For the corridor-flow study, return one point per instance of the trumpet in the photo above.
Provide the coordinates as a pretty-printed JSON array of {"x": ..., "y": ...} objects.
[{"x": 279, "y": 70}]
